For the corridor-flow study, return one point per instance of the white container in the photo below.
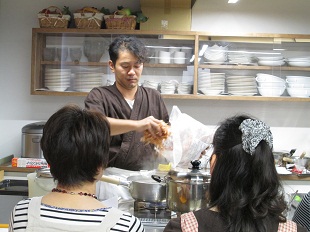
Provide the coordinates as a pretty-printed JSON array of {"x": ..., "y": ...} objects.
[
  {"x": 179, "y": 57},
  {"x": 299, "y": 92},
  {"x": 164, "y": 57},
  {"x": 39, "y": 185},
  {"x": 271, "y": 91}
]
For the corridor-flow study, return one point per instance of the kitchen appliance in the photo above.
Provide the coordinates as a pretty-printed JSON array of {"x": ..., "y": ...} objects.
[
  {"x": 31, "y": 137},
  {"x": 186, "y": 190},
  {"x": 153, "y": 215}
]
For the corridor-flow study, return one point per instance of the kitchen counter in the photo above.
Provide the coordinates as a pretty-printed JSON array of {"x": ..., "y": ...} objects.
[{"x": 8, "y": 168}]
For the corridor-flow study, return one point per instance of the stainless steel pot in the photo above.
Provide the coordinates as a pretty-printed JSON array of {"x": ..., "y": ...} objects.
[
  {"x": 186, "y": 190},
  {"x": 142, "y": 188}
]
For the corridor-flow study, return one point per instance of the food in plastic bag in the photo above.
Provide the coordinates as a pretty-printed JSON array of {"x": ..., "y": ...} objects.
[{"x": 188, "y": 139}]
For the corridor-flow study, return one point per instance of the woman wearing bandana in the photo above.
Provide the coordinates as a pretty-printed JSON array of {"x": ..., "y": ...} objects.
[{"x": 245, "y": 193}]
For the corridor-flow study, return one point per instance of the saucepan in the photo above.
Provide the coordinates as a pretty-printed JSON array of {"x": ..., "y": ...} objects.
[
  {"x": 142, "y": 188},
  {"x": 186, "y": 190}
]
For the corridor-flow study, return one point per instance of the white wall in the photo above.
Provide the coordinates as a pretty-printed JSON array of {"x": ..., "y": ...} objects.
[{"x": 18, "y": 107}]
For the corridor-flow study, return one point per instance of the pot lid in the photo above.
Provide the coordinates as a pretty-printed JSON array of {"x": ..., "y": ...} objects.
[
  {"x": 194, "y": 174},
  {"x": 44, "y": 172},
  {"x": 34, "y": 128}
]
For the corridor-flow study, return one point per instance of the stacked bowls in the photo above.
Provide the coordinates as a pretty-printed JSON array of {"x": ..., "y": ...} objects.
[
  {"x": 185, "y": 88},
  {"x": 215, "y": 54},
  {"x": 211, "y": 83},
  {"x": 168, "y": 87},
  {"x": 270, "y": 85},
  {"x": 298, "y": 86},
  {"x": 241, "y": 85},
  {"x": 57, "y": 79},
  {"x": 151, "y": 84}
]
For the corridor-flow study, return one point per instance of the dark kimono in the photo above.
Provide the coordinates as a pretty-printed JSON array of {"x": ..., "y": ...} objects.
[{"x": 126, "y": 150}]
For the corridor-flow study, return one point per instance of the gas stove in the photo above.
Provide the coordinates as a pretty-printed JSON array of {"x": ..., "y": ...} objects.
[{"x": 154, "y": 216}]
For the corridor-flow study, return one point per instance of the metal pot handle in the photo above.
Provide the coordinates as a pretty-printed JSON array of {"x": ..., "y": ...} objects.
[
  {"x": 157, "y": 178},
  {"x": 116, "y": 181}
]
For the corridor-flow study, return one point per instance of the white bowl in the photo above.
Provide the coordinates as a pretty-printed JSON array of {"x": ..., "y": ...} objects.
[
  {"x": 300, "y": 63},
  {"x": 271, "y": 62},
  {"x": 271, "y": 84},
  {"x": 262, "y": 77},
  {"x": 298, "y": 92},
  {"x": 271, "y": 91},
  {"x": 298, "y": 85},
  {"x": 298, "y": 79}
]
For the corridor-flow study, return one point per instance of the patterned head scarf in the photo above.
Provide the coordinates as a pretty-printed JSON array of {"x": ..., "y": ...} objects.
[{"x": 254, "y": 131}]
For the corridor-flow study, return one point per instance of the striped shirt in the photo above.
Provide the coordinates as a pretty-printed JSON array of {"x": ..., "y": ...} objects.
[
  {"x": 302, "y": 213},
  {"x": 51, "y": 214}
]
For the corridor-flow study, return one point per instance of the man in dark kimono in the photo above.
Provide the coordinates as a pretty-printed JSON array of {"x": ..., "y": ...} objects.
[{"x": 130, "y": 108}]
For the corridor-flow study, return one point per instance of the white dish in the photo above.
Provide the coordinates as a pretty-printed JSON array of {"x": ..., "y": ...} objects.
[
  {"x": 298, "y": 79},
  {"x": 211, "y": 92},
  {"x": 271, "y": 84},
  {"x": 57, "y": 88},
  {"x": 271, "y": 62},
  {"x": 270, "y": 58},
  {"x": 242, "y": 93},
  {"x": 299, "y": 92},
  {"x": 297, "y": 85},
  {"x": 271, "y": 91},
  {"x": 299, "y": 63},
  {"x": 268, "y": 78}
]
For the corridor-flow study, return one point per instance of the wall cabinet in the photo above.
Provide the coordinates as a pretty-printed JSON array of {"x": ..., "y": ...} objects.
[{"x": 182, "y": 65}]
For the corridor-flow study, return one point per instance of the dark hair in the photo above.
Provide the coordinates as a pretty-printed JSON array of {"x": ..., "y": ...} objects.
[
  {"x": 128, "y": 43},
  {"x": 245, "y": 188},
  {"x": 75, "y": 143}
]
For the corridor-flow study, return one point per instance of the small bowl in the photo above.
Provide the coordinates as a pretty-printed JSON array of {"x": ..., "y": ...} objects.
[{"x": 49, "y": 54}]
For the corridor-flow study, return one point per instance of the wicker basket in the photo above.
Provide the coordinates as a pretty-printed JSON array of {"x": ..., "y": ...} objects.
[
  {"x": 88, "y": 20},
  {"x": 53, "y": 20},
  {"x": 120, "y": 21}
]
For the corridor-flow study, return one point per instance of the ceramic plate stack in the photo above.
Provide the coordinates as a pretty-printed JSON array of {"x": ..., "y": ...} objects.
[
  {"x": 240, "y": 58},
  {"x": 151, "y": 84},
  {"x": 215, "y": 54},
  {"x": 57, "y": 79},
  {"x": 87, "y": 79},
  {"x": 270, "y": 85},
  {"x": 299, "y": 61},
  {"x": 241, "y": 85},
  {"x": 271, "y": 60},
  {"x": 211, "y": 83},
  {"x": 298, "y": 86},
  {"x": 168, "y": 87},
  {"x": 185, "y": 88}
]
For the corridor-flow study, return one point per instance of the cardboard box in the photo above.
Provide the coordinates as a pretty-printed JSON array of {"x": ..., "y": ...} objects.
[{"x": 173, "y": 15}]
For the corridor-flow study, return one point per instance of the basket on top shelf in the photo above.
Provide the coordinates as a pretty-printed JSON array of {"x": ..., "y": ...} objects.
[
  {"x": 88, "y": 18},
  {"x": 52, "y": 17},
  {"x": 120, "y": 21}
]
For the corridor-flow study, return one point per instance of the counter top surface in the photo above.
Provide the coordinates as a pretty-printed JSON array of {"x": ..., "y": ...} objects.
[{"x": 8, "y": 168}]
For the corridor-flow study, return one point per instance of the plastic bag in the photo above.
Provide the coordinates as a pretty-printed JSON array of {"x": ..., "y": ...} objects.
[{"x": 188, "y": 138}]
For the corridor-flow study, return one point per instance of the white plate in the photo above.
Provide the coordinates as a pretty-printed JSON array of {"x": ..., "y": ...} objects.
[
  {"x": 271, "y": 62},
  {"x": 270, "y": 58},
  {"x": 299, "y": 63}
]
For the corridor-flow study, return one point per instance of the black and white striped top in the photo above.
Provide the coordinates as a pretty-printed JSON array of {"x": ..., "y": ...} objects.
[
  {"x": 50, "y": 214},
  {"x": 302, "y": 213}
]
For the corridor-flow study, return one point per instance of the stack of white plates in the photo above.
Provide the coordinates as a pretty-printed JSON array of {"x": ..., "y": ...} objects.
[
  {"x": 241, "y": 85},
  {"x": 151, "y": 84},
  {"x": 298, "y": 86},
  {"x": 57, "y": 79},
  {"x": 86, "y": 81},
  {"x": 299, "y": 61},
  {"x": 211, "y": 83},
  {"x": 215, "y": 54},
  {"x": 240, "y": 58},
  {"x": 185, "y": 88},
  {"x": 168, "y": 87},
  {"x": 270, "y": 85},
  {"x": 271, "y": 60}
]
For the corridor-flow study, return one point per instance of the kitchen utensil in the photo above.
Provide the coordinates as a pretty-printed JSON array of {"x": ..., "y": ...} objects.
[
  {"x": 141, "y": 188},
  {"x": 31, "y": 137},
  {"x": 40, "y": 182},
  {"x": 186, "y": 191}
]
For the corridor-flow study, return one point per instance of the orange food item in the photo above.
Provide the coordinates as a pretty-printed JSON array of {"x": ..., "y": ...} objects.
[{"x": 157, "y": 141}]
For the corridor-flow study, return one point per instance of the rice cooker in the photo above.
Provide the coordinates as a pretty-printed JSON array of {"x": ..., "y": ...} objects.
[{"x": 31, "y": 137}]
